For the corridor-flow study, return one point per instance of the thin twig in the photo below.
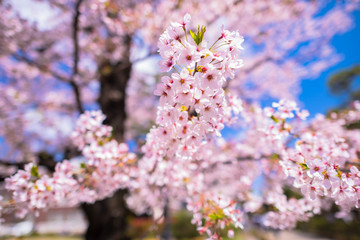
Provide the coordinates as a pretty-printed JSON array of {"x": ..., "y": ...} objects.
[
  {"x": 253, "y": 67},
  {"x": 353, "y": 163},
  {"x": 155, "y": 224},
  {"x": 40, "y": 67},
  {"x": 258, "y": 64},
  {"x": 150, "y": 54}
]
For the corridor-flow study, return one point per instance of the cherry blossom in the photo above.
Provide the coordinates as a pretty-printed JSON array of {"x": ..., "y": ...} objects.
[{"x": 184, "y": 158}]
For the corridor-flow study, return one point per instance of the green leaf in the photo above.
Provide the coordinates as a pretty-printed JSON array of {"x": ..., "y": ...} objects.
[
  {"x": 202, "y": 33},
  {"x": 275, "y": 156},
  {"x": 218, "y": 215},
  {"x": 35, "y": 171},
  {"x": 275, "y": 119},
  {"x": 304, "y": 166},
  {"x": 199, "y": 36},
  {"x": 215, "y": 216},
  {"x": 212, "y": 216},
  {"x": 193, "y": 35}
]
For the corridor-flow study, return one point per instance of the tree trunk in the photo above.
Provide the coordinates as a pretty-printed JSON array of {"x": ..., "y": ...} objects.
[
  {"x": 166, "y": 233},
  {"x": 108, "y": 218}
]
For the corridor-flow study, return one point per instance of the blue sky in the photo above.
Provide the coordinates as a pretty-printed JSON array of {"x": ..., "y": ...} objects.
[{"x": 315, "y": 95}]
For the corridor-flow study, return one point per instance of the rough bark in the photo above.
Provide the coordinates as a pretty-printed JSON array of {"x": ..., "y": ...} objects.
[
  {"x": 112, "y": 98},
  {"x": 108, "y": 218}
]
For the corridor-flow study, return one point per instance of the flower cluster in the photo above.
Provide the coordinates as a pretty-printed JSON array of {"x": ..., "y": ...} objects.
[
  {"x": 212, "y": 212},
  {"x": 287, "y": 212},
  {"x": 296, "y": 155},
  {"x": 192, "y": 101},
  {"x": 89, "y": 129},
  {"x": 319, "y": 164},
  {"x": 33, "y": 191},
  {"x": 108, "y": 166},
  {"x": 193, "y": 109}
]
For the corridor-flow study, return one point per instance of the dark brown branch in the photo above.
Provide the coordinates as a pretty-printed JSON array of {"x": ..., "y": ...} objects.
[
  {"x": 44, "y": 159},
  {"x": 353, "y": 163},
  {"x": 76, "y": 57},
  {"x": 238, "y": 159},
  {"x": 40, "y": 67},
  {"x": 258, "y": 64},
  {"x": 150, "y": 54},
  {"x": 5, "y": 163}
]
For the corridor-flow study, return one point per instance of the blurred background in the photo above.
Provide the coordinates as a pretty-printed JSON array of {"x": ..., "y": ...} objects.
[{"x": 59, "y": 58}]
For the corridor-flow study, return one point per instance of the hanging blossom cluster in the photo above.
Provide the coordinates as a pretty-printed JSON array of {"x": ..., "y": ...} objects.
[
  {"x": 288, "y": 212},
  {"x": 267, "y": 135},
  {"x": 192, "y": 101},
  {"x": 107, "y": 166},
  {"x": 322, "y": 164},
  {"x": 212, "y": 211},
  {"x": 193, "y": 108}
]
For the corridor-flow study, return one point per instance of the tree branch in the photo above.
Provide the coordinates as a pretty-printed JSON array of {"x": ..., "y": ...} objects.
[
  {"x": 5, "y": 163},
  {"x": 40, "y": 67},
  {"x": 353, "y": 163},
  {"x": 76, "y": 57},
  {"x": 258, "y": 64},
  {"x": 150, "y": 54},
  {"x": 152, "y": 227}
]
